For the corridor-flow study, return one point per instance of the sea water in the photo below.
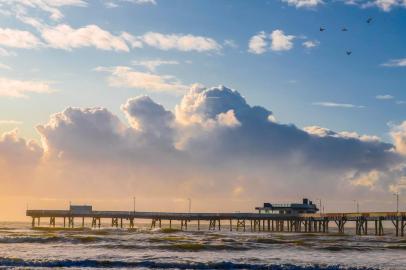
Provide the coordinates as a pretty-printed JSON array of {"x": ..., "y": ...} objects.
[{"x": 24, "y": 248}]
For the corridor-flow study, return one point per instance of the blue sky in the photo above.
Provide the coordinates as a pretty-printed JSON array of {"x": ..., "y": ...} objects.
[{"x": 288, "y": 82}]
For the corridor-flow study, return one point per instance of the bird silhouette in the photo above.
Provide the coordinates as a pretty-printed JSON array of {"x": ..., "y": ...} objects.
[
  {"x": 322, "y": 29},
  {"x": 344, "y": 29},
  {"x": 349, "y": 52},
  {"x": 369, "y": 20}
]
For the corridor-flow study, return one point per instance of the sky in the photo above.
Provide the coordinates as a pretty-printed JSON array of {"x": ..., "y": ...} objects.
[{"x": 230, "y": 103}]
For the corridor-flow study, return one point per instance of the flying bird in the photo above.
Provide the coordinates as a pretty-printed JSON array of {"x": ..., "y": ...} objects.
[
  {"x": 322, "y": 29},
  {"x": 369, "y": 20},
  {"x": 344, "y": 29},
  {"x": 349, "y": 52}
]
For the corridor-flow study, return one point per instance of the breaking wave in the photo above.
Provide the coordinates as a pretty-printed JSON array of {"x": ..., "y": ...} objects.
[{"x": 13, "y": 262}]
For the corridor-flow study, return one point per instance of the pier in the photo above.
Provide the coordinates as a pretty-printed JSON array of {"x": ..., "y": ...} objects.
[{"x": 365, "y": 222}]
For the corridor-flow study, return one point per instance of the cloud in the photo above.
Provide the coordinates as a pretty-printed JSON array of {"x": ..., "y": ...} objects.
[
  {"x": 18, "y": 152},
  {"x": 303, "y": 3},
  {"x": 10, "y": 122},
  {"x": 309, "y": 44},
  {"x": 20, "y": 88},
  {"x": 141, "y": 2},
  {"x": 180, "y": 42},
  {"x": 213, "y": 145},
  {"x": 4, "y": 66},
  {"x": 49, "y": 6},
  {"x": 18, "y": 39},
  {"x": 65, "y": 37},
  {"x": 280, "y": 41},
  {"x": 384, "y": 97},
  {"x": 398, "y": 134},
  {"x": 258, "y": 43},
  {"x": 337, "y": 105},
  {"x": 396, "y": 63},
  {"x": 115, "y": 3},
  {"x": 122, "y": 76},
  {"x": 385, "y": 5},
  {"x": 151, "y": 65}
]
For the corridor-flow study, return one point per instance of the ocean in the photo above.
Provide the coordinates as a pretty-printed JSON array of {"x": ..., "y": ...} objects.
[{"x": 24, "y": 248}]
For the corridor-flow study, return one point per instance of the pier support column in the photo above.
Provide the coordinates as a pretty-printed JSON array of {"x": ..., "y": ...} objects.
[
  {"x": 231, "y": 225},
  {"x": 198, "y": 224},
  {"x": 83, "y": 222},
  {"x": 402, "y": 227},
  {"x": 212, "y": 225},
  {"x": 170, "y": 224},
  {"x": 114, "y": 222},
  {"x": 52, "y": 221},
  {"x": 269, "y": 225},
  {"x": 396, "y": 224},
  {"x": 241, "y": 223},
  {"x": 121, "y": 223},
  {"x": 131, "y": 223},
  {"x": 94, "y": 222},
  {"x": 71, "y": 221},
  {"x": 219, "y": 225},
  {"x": 33, "y": 222}
]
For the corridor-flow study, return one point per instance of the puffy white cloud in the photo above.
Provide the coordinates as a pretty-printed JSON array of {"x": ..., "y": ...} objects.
[
  {"x": 280, "y": 41},
  {"x": 18, "y": 39},
  {"x": 180, "y": 42},
  {"x": 396, "y": 63},
  {"x": 338, "y": 105},
  {"x": 18, "y": 152},
  {"x": 20, "y": 88},
  {"x": 258, "y": 43},
  {"x": 122, "y": 76},
  {"x": 398, "y": 134},
  {"x": 303, "y": 3},
  {"x": 151, "y": 65},
  {"x": 214, "y": 144},
  {"x": 65, "y": 37}
]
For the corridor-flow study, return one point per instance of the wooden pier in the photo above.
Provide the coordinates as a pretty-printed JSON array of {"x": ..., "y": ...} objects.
[{"x": 308, "y": 223}]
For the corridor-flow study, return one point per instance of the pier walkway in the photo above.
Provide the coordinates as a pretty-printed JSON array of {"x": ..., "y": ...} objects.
[{"x": 309, "y": 223}]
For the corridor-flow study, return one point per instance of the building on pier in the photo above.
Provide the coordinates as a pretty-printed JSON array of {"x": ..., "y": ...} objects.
[
  {"x": 306, "y": 207},
  {"x": 80, "y": 209}
]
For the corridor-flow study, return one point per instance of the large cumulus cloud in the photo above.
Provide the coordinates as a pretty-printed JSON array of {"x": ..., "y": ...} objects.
[{"x": 212, "y": 144}]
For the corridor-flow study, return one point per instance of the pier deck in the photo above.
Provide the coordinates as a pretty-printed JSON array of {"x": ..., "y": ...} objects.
[{"x": 310, "y": 223}]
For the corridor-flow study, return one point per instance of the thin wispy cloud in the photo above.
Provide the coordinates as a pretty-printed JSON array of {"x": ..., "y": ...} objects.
[
  {"x": 338, "y": 105},
  {"x": 151, "y": 65},
  {"x": 309, "y": 44},
  {"x": 384, "y": 97},
  {"x": 122, "y": 76},
  {"x": 395, "y": 63},
  {"x": 303, "y": 3},
  {"x": 21, "y": 88},
  {"x": 10, "y": 122}
]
